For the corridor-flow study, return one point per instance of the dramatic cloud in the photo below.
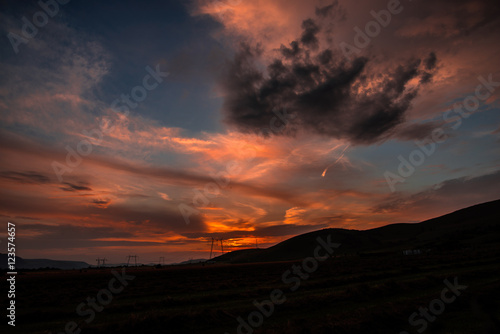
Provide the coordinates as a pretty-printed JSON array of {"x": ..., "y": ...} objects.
[{"x": 321, "y": 91}]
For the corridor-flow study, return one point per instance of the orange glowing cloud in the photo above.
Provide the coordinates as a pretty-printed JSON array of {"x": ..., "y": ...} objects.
[{"x": 269, "y": 23}]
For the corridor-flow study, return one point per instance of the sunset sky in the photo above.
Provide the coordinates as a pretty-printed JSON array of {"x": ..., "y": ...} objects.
[{"x": 148, "y": 127}]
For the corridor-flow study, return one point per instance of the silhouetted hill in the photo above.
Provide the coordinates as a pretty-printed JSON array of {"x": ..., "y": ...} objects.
[
  {"x": 473, "y": 227},
  {"x": 42, "y": 263}
]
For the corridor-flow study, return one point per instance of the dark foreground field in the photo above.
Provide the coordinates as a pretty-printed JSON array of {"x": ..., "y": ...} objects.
[{"x": 355, "y": 294}]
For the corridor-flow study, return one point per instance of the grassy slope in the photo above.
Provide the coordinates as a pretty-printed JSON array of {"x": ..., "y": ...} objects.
[{"x": 345, "y": 295}]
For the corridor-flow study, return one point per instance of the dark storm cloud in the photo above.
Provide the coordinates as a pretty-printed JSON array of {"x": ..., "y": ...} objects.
[
  {"x": 289, "y": 53},
  {"x": 332, "y": 11},
  {"x": 326, "y": 10},
  {"x": 430, "y": 62},
  {"x": 25, "y": 177},
  {"x": 74, "y": 187},
  {"x": 308, "y": 37},
  {"x": 32, "y": 177},
  {"x": 322, "y": 91},
  {"x": 101, "y": 202},
  {"x": 418, "y": 131}
]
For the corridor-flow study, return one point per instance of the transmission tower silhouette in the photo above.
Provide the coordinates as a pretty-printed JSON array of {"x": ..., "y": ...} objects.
[
  {"x": 99, "y": 261},
  {"x": 216, "y": 242},
  {"x": 132, "y": 257}
]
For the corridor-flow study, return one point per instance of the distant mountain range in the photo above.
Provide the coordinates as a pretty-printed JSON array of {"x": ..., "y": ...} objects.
[
  {"x": 42, "y": 263},
  {"x": 474, "y": 227},
  {"x": 67, "y": 265}
]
